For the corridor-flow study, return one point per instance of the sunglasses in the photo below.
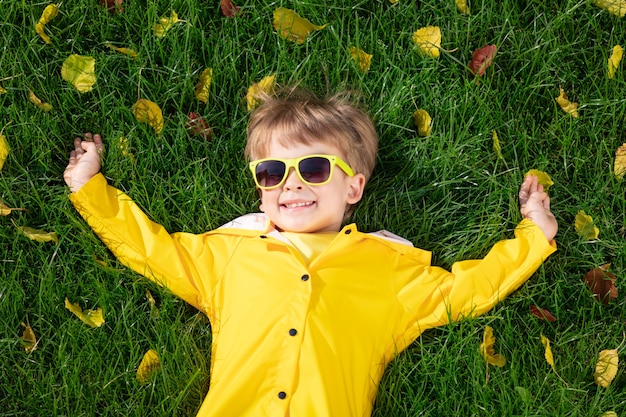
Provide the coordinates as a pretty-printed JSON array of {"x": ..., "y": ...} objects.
[{"x": 270, "y": 173}]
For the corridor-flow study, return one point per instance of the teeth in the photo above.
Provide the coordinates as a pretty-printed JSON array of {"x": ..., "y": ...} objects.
[{"x": 294, "y": 205}]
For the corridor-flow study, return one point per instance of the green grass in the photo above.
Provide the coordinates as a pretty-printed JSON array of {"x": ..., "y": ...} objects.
[{"x": 447, "y": 193}]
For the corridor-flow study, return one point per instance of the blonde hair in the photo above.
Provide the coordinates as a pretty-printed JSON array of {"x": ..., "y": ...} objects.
[{"x": 295, "y": 115}]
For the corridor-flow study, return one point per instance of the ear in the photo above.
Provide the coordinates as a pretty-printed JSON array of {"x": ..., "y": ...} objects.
[{"x": 356, "y": 185}]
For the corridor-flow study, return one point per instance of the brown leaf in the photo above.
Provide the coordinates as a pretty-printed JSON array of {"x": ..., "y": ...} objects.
[
  {"x": 542, "y": 314},
  {"x": 228, "y": 8},
  {"x": 601, "y": 282},
  {"x": 198, "y": 126},
  {"x": 482, "y": 59},
  {"x": 113, "y": 5},
  {"x": 29, "y": 340}
]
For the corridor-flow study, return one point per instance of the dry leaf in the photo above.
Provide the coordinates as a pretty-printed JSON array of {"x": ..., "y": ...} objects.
[
  {"x": 619, "y": 168},
  {"x": 204, "y": 85},
  {"x": 542, "y": 314},
  {"x": 428, "y": 40},
  {"x": 362, "y": 58},
  {"x": 149, "y": 112},
  {"x": 616, "y": 7},
  {"x": 4, "y": 149},
  {"x": 49, "y": 13},
  {"x": 487, "y": 349},
  {"x": 482, "y": 59},
  {"x": 422, "y": 121},
  {"x": 113, "y": 5},
  {"x": 462, "y": 6},
  {"x": 548, "y": 352},
  {"x": 585, "y": 227},
  {"x": 496, "y": 144},
  {"x": 606, "y": 367},
  {"x": 37, "y": 102},
  {"x": 601, "y": 282},
  {"x": 2, "y": 90},
  {"x": 79, "y": 71},
  {"x": 228, "y": 8},
  {"x": 266, "y": 85},
  {"x": 128, "y": 52},
  {"x": 615, "y": 59},
  {"x": 292, "y": 27},
  {"x": 153, "y": 309},
  {"x": 542, "y": 178},
  {"x": 165, "y": 24},
  {"x": 29, "y": 340},
  {"x": 567, "y": 106},
  {"x": 6, "y": 210},
  {"x": 198, "y": 126},
  {"x": 93, "y": 318},
  {"x": 609, "y": 414},
  {"x": 39, "y": 235},
  {"x": 393, "y": 1},
  {"x": 149, "y": 365}
]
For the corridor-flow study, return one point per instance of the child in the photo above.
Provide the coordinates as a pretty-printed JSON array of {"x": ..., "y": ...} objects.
[{"x": 305, "y": 313}]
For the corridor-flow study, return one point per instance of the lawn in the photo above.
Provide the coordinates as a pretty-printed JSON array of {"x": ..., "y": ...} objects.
[{"x": 449, "y": 192}]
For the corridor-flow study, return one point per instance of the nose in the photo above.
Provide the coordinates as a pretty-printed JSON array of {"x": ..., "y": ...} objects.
[{"x": 293, "y": 182}]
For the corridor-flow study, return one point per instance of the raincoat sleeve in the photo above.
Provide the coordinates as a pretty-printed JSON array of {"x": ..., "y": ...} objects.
[
  {"x": 171, "y": 260},
  {"x": 434, "y": 297}
]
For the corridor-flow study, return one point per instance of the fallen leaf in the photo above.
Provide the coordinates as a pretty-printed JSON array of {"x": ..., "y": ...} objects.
[
  {"x": 585, "y": 227},
  {"x": 79, "y": 71},
  {"x": 4, "y": 149},
  {"x": 428, "y": 40},
  {"x": 619, "y": 167},
  {"x": 29, "y": 340},
  {"x": 422, "y": 121},
  {"x": 567, "y": 106},
  {"x": 6, "y": 210},
  {"x": 615, "y": 59},
  {"x": 362, "y": 58},
  {"x": 266, "y": 85},
  {"x": 204, "y": 85},
  {"x": 606, "y": 367},
  {"x": 601, "y": 282},
  {"x": 126, "y": 51},
  {"x": 616, "y": 7},
  {"x": 49, "y": 13},
  {"x": 496, "y": 144},
  {"x": 153, "y": 309},
  {"x": 482, "y": 59},
  {"x": 2, "y": 90},
  {"x": 548, "y": 353},
  {"x": 542, "y": 178},
  {"x": 228, "y": 8},
  {"x": 542, "y": 314},
  {"x": 113, "y": 5},
  {"x": 393, "y": 1},
  {"x": 91, "y": 318},
  {"x": 39, "y": 235},
  {"x": 37, "y": 102},
  {"x": 292, "y": 27},
  {"x": 149, "y": 112},
  {"x": 609, "y": 414},
  {"x": 462, "y": 6},
  {"x": 198, "y": 126},
  {"x": 487, "y": 349},
  {"x": 165, "y": 24},
  {"x": 150, "y": 364}
]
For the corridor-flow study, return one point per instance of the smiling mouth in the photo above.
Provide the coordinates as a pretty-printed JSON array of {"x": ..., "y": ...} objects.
[{"x": 296, "y": 205}]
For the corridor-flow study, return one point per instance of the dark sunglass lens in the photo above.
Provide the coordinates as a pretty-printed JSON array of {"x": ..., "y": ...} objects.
[
  {"x": 270, "y": 173},
  {"x": 314, "y": 170}
]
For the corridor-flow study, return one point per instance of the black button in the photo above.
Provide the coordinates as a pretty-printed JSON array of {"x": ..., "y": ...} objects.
[
  {"x": 263, "y": 237},
  {"x": 304, "y": 277},
  {"x": 348, "y": 231},
  {"x": 282, "y": 395},
  {"x": 293, "y": 332}
]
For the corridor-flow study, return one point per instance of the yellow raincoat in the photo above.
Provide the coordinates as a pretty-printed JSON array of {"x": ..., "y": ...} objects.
[{"x": 298, "y": 338}]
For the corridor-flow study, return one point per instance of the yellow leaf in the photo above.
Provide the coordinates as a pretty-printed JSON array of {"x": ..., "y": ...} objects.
[
  {"x": 393, "y": 1},
  {"x": 585, "y": 227},
  {"x": 542, "y": 178},
  {"x": 153, "y": 309},
  {"x": 29, "y": 340},
  {"x": 616, "y": 7},
  {"x": 362, "y": 58},
  {"x": 128, "y": 52},
  {"x": 567, "y": 106},
  {"x": 79, "y": 71},
  {"x": 462, "y": 6},
  {"x": 93, "y": 318},
  {"x": 49, "y": 13},
  {"x": 165, "y": 24},
  {"x": 149, "y": 365},
  {"x": 4, "y": 149},
  {"x": 548, "y": 351},
  {"x": 619, "y": 167},
  {"x": 428, "y": 39},
  {"x": 204, "y": 85},
  {"x": 487, "y": 349},
  {"x": 422, "y": 121},
  {"x": 266, "y": 85},
  {"x": 6, "y": 210},
  {"x": 39, "y": 235},
  {"x": 615, "y": 59},
  {"x": 609, "y": 414},
  {"x": 2, "y": 90},
  {"x": 496, "y": 145},
  {"x": 37, "y": 102},
  {"x": 292, "y": 27},
  {"x": 606, "y": 367},
  {"x": 149, "y": 112}
]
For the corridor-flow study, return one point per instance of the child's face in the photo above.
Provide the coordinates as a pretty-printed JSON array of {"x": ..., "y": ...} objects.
[{"x": 296, "y": 206}]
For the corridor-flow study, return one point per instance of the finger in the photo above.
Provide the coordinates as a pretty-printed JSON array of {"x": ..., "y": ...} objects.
[
  {"x": 72, "y": 157},
  {"x": 78, "y": 149},
  {"x": 546, "y": 202},
  {"x": 88, "y": 137},
  {"x": 97, "y": 139}
]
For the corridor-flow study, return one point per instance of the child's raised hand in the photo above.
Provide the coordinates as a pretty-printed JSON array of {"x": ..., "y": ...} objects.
[
  {"x": 85, "y": 161},
  {"x": 535, "y": 206}
]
